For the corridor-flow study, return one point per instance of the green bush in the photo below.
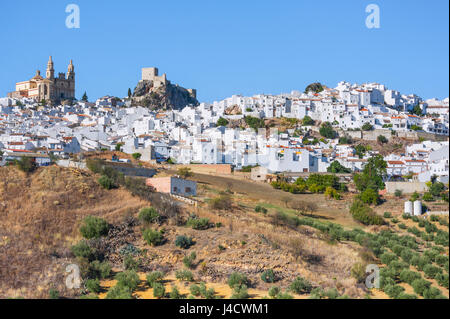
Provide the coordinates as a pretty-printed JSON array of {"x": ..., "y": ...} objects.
[
  {"x": 119, "y": 292},
  {"x": 409, "y": 276},
  {"x": 154, "y": 277},
  {"x": 431, "y": 271},
  {"x": 53, "y": 294},
  {"x": 420, "y": 285},
  {"x": 268, "y": 276},
  {"x": 188, "y": 261},
  {"x": 428, "y": 197},
  {"x": 387, "y": 215},
  {"x": 94, "y": 227},
  {"x": 442, "y": 280},
  {"x": 198, "y": 223},
  {"x": 130, "y": 263},
  {"x": 432, "y": 293},
  {"x": 274, "y": 291},
  {"x": 83, "y": 250},
  {"x": 300, "y": 286},
  {"x": 398, "y": 193},
  {"x": 158, "y": 290},
  {"x": 153, "y": 237},
  {"x": 98, "y": 269},
  {"x": 183, "y": 242},
  {"x": 240, "y": 292},
  {"x": 149, "y": 215},
  {"x": 128, "y": 278},
  {"x": 393, "y": 291},
  {"x": 26, "y": 164},
  {"x": 370, "y": 196},
  {"x": 93, "y": 285},
  {"x": 175, "y": 293},
  {"x": 237, "y": 279},
  {"x": 184, "y": 275},
  {"x": 261, "y": 209},
  {"x": 106, "y": 182},
  {"x": 364, "y": 214}
]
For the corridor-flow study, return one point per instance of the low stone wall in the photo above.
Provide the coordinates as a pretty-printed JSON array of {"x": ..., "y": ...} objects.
[
  {"x": 69, "y": 163},
  {"x": 224, "y": 169},
  {"x": 406, "y": 187}
]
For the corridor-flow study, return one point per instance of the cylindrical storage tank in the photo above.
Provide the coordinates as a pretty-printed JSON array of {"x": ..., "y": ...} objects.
[
  {"x": 417, "y": 208},
  {"x": 408, "y": 207}
]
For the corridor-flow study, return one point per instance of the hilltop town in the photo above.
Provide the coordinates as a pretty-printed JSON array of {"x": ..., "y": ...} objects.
[
  {"x": 270, "y": 196},
  {"x": 295, "y": 132}
]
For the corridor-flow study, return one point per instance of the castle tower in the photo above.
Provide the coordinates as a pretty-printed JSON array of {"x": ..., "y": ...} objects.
[
  {"x": 50, "y": 74},
  {"x": 71, "y": 71}
]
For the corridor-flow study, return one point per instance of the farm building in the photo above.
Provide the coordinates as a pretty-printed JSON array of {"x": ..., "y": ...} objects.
[{"x": 173, "y": 185}]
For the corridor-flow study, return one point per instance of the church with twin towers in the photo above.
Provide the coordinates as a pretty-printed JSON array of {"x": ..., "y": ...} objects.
[{"x": 51, "y": 89}]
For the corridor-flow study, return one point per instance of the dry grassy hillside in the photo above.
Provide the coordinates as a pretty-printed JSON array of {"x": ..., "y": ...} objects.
[
  {"x": 39, "y": 218},
  {"x": 40, "y": 215}
]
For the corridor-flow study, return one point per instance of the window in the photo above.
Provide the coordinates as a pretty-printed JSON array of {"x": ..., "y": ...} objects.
[
  {"x": 175, "y": 189},
  {"x": 187, "y": 190}
]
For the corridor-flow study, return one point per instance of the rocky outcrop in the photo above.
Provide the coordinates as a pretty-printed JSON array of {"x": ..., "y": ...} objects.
[
  {"x": 167, "y": 96},
  {"x": 233, "y": 110}
]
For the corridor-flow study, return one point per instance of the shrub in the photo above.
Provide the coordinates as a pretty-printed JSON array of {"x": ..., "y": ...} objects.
[
  {"x": 370, "y": 196},
  {"x": 98, "y": 269},
  {"x": 358, "y": 272},
  {"x": 184, "y": 275},
  {"x": 387, "y": 258},
  {"x": 94, "y": 227},
  {"x": 274, "y": 291},
  {"x": 420, "y": 285},
  {"x": 394, "y": 290},
  {"x": 403, "y": 295},
  {"x": 431, "y": 271},
  {"x": 432, "y": 293},
  {"x": 428, "y": 197},
  {"x": 398, "y": 193},
  {"x": 130, "y": 263},
  {"x": 183, "y": 242},
  {"x": 382, "y": 139},
  {"x": 149, "y": 215},
  {"x": 128, "y": 278},
  {"x": 106, "y": 182},
  {"x": 223, "y": 202},
  {"x": 158, "y": 290},
  {"x": 153, "y": 237},
  {"x": 154, "y": 277},
  {"x": 25, "y": 164},
  {"x": 300, "y": 286},
  {"x": 240, "y": 292},
  {"x": 136, "y": 156},
  {"x": 268, "y": 276},
  {"x": 442, "y": 279},
  {"x": 175, "y": 293},
  {"x": 198, "y": 223},
  {"x": 119, "y": 292},
  {"x": 261, "y": 209},
  {"x": 188, "y": 261},
  {"x": 409, "y": 276},
  {"x": 364, "y": 214},
  {"x": 237, "y": 279},
  {"x": 53, "y": 294},
  {"x": 93, "y": 285},
  {"x": 387, "y": 215},
  {"x": 82, "y": 250}
]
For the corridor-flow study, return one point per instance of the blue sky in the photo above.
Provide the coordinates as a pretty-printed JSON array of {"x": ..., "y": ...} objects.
[{"x": 230, "y": 47}]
